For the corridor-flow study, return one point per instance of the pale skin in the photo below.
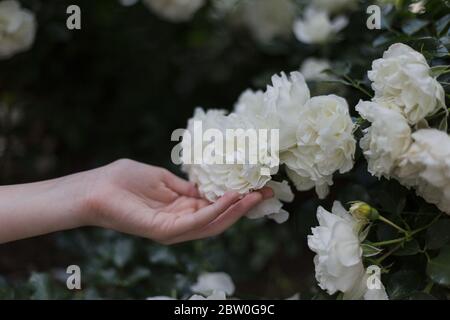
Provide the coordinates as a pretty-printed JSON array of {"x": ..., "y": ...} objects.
[{"x": 126, "y": 196}]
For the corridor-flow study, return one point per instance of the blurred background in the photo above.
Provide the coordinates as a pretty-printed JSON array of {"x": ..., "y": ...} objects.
[{"x": 79, "y": 99}]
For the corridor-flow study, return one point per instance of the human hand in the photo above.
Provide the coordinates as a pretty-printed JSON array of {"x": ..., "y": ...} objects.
[{"x": 149, "y": 201}]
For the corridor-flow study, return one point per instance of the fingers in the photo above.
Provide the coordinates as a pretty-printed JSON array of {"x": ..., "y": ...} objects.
[
  {"x": 229, "y": 217},
  {"x": 204, "y": 216},
  {"x": 180, "y": 185},
  {"x": 232, "y": 215}
]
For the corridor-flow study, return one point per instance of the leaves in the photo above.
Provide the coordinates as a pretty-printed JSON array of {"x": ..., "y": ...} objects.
[
  {"x": 438, "y": 234},
  {"x": 402, "y": 283},
  {"x": 438, "y": 268},
  {"x": 442, "y": 24},
  {"x": 412, "y": 26},
  {"x": 409, "y": 248}
]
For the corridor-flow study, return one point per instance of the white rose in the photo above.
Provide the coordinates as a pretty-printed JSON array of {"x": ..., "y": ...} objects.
[
  {"x": 214, "y": 179},
  {"x": 316, "y": 26},
  {"x": 338, "y": 261},
  {"x": 284, "y": 101},
  {"x": 402, "y": 77},
  {"x": 175, "y": 10},
  {"x": 334, "y": 5},
  {"x": 278, "y": 107},
  {"x": 267, "y": 19},
  {"x": 17, "y": 28},
  {"x": 426, "y": 167},
  {"x": 214, "y": 282},
  {"x": 324, "y": 144},
  {"x": 272, "y": 208},
  {"x": 313, "y": 69},
  {"x": 388, "y": 137}
]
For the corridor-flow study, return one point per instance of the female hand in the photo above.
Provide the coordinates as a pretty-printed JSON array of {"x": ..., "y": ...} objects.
[{"x": 126, "y": 196}]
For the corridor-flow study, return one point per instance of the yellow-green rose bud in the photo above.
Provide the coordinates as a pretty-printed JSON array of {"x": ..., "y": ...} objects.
[{"x": 362, "y": 211}]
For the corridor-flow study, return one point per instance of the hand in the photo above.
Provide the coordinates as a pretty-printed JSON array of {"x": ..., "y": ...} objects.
[{"x": 149, "y": 201}]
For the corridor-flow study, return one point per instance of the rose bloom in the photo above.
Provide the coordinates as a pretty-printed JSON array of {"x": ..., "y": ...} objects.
[
  {"x": 213, "y": 286},
  {"x": 214, "y": 179},
  {"x": 175, "y": 10},
  {"x": 267, "y": 19},
  {"x": 278, "y": 107},
  {"x": 388, "y": 137},
  {"x": 17, "y": 28},
  {"x": 402, "y": 78},
  {"x": 338, "y": 261},
  {"x": 272, "y": 208},
  {"x": 426, "y": 167},
  {"x": 313, "y": 69},
  {"x": 316, "y": 27},
  {"x": 324, "y": 144}
]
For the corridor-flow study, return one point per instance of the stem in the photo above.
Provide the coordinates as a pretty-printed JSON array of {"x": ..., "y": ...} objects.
[
  {"x": 357, "y": 86},
  {"x": 388, "y": 242},
  {"x": 427, "y": 226},
  {"x": 393, "y": 224},
  {"x": 387, "y": 254}
]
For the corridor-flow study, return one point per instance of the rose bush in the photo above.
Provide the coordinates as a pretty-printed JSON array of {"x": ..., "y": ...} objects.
[{"x": 363, "y": 120}]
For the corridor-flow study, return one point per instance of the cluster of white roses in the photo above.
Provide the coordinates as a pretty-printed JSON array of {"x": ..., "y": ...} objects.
[
  {"x": 405, "y": 94},
  {"x": 315, "y": 141},
  {"x": 339, "y": 260},
  {"x": 17, "y": 28}
]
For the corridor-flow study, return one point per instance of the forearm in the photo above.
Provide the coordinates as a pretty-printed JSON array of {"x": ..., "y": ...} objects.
[{"x": 32, "y": 209}]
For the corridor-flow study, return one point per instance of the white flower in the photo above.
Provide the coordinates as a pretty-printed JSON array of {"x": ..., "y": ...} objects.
[
  {"x": 214, "y": 179},
  {"x": 316, "y": 27},
  {"x": 334, "y": 5},
  {"x": 175, "y": 10},
  {"x": 272, "y": 208},
  {"x": 283, "y": 103},
  {"x": 267, "y": 19},
  {"x": 402, "y": 78},
  {"x": 426, "y": 167},
  {"x": 213, "y": 285},
  {"x": 338, "y": 260},
  {"x": 17, "y": 28},
  {"x": 324, "y": 144},
  {"x": 313, "y": 69},
  {"x": 277, "y": 108},
  {"x": 388, "y": 137}
]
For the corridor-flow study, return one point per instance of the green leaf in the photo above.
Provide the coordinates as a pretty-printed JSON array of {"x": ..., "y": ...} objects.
[
  {"x": 438, "y": 268},
  {"x": 369, "y": 250},
  {"x": 438, "y": 235},
  {"x": 400, "y": 284},
  {"x": 412, "y": 26},
  {"x": 442, "y": 24},
  {"x": 409, "y": 249}
]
